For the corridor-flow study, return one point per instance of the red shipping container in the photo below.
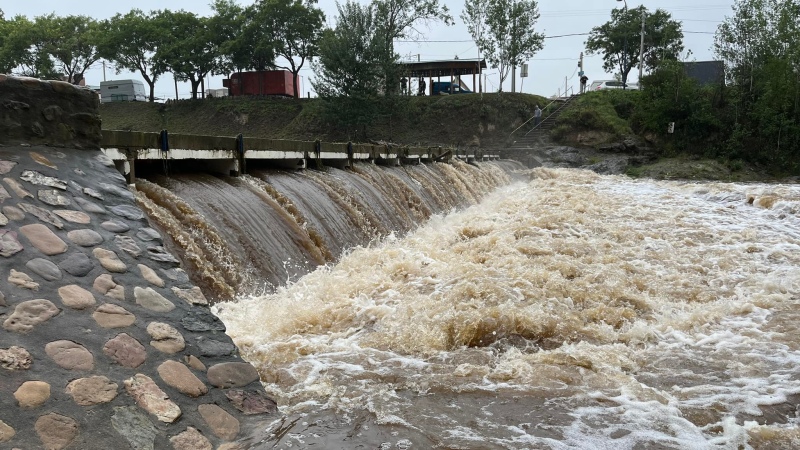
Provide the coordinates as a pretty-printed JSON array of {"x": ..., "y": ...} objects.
[{"x": 265, "y": 82}]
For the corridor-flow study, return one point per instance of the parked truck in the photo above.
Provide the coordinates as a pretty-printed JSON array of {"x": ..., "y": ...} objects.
[{"x": 122, "y": 91}]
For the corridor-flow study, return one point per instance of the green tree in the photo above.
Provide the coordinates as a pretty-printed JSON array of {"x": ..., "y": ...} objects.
[
  {"x": 132, "y": 42},
  {"x": 400, "y": 19},
  {"x": 349, "y": 73},
  {"x": 191, "y": 50},
  {"x": 297, "y": 28},
  {"x": 760, "y": 45},
  {"x": 23, "y": 48},
  {"x": 72, "y": 43},
  {"x": 228, "y": 22},
  {"x": 503, "y": 31},
  {"x": 618, "y": 40}
]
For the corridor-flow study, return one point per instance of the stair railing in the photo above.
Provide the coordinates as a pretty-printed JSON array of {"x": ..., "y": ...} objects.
[
  {"x": 532, "y": 117},
  {"x": 557, "y": 98}
]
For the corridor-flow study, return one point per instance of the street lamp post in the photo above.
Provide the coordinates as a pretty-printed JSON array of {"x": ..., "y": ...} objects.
[{"x": 625, "y": 52}]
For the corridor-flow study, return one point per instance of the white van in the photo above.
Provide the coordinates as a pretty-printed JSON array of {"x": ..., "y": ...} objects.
[
  {"x": 611, "y": 84},
  {"x": 122, "y": 91}
]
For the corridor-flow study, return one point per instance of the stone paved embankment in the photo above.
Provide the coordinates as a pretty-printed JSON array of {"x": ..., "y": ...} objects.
[{"x": 104, "y": 342}]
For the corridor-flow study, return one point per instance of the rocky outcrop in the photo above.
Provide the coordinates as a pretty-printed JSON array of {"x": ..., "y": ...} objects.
[{"x": 100, "y": 344}]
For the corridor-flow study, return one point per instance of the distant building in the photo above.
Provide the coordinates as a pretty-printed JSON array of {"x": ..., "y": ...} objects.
[
  {"x": 706, "y": 72},
  {"x": 221, "y": 92}
]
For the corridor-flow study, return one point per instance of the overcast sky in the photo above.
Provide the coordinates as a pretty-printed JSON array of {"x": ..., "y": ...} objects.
[{"x": 548, "y": 68}]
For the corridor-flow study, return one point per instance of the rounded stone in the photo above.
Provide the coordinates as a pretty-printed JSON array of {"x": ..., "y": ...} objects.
[
  {"x": 181, "y": 378},
  {"x": 32, "y": 394},
  {"x": 13, "y": 213},
  {"x": 53, "y": 197},
  {"x": 222, "y": 424},
  {"x": 190, "y": 439},
  {"x": 30, "y": 313},
  {"x": 115, "y": 226},
  {"x": 151, "y": 398},
  {"x": 6, "y": 432},
  {"x": 232, "y": 374},
  {"x": 44, "y": 268},
  {"x": 90, "y": 207},
  {"x": 43, "y": 239},
  {"x": 77, "y": 264},
  {"x": 117, "y": 191},
  {"x": 76, "y": 297},
  {"x": 214, "y": 348},
  {"x": 152, "y": 300},
  {"x": 109, "y": 260},
  {"x": 15, "y": 358},
  {"x": 165, "y": 337},
  {"x": 150, "y": 276},
  {"x": 148, "y": 234},
  {"x": 38, "y": 157},
  {"x": 128, "y": 212},
  {"x": 73, "y": 216},
  {"x": 192, "y": 296},
  {"x": 70, "y": 355},
  {"x": 125, "y": 351},
  {"x": 195, "y": 363},
  {"x": 85, "y": 237},
  {"x": 93, "y": 193},
  {"x": 56, "y": 431},
  {"x": 92, "y": 390},
  {"x": 112, "y": 316}
]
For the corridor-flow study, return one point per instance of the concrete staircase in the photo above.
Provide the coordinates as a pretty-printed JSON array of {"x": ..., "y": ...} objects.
[{"x": 528, "y": 139}]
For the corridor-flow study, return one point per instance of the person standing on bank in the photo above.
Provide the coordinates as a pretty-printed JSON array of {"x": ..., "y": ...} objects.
[
  {"x": 421, "y": 86},
  {"x": 584, "y": 80},
  {"x": 537, "y": 116}
]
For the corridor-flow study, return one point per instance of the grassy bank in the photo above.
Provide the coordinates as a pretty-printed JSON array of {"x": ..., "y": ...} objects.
[{"x": 465, "y": 120}]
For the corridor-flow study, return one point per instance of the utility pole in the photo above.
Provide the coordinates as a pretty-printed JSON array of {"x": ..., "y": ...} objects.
[
  {"x": 104, "y": 70},
  {"x": 641, "y": 50}
]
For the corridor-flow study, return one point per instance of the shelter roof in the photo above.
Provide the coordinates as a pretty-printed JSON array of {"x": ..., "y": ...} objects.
[{"x": 444, "y": 68}]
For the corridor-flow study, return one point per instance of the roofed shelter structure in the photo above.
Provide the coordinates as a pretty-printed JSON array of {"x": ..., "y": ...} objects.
[{"x": 450, "y": 68}]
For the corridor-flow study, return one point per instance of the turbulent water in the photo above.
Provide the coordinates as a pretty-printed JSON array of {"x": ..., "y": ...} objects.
[
  {"x": 573, "y": 311},
  {"x": 259, "y": 231}
]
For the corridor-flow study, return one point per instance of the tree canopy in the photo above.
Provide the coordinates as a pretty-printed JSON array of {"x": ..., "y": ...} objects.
[
  {"x": 618, "y": 40},
  {"x": 297, "y": 27},
  {"x": 504, "y": 31},
  {"x": 352, "y": 56},
  {"x": 132, "y": 41}
]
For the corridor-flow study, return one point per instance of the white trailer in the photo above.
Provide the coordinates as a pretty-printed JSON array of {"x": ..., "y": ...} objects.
[{"x": 122, "y": 91}]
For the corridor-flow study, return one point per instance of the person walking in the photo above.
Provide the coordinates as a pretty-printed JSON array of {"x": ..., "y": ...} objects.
[{"x": 537, "y": 116}]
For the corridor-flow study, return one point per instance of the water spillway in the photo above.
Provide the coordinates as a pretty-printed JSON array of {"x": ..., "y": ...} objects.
[
  {"x": 574, "y": 311},
  {"x": 240, "y": 235}
]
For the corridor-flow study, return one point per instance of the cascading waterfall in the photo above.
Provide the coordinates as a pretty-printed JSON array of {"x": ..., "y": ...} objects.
[{"x": 259, "y": 231}]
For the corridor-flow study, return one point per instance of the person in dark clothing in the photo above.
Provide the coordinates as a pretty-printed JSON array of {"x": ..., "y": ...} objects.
[
  {"x": 584, "y": 80},
  {"x": 421, "y": 87}
]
